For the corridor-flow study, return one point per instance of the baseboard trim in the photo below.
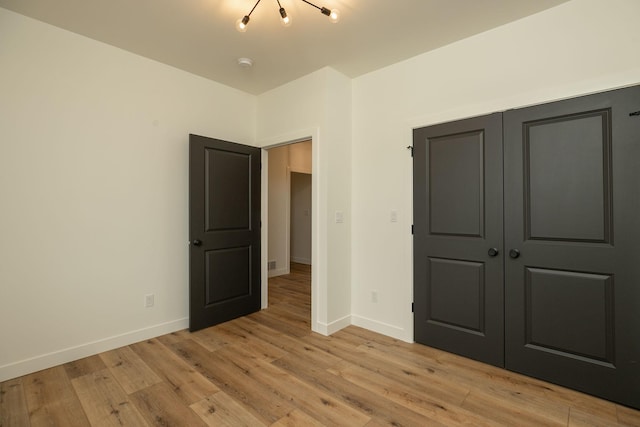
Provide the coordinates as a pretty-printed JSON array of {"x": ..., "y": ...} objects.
[
  {"x": 381, "y": 328},
  {"x": 278, "y": 272},
  {"x": 305, "y": 261},
  {"x": 332, "y": 327},
  {"x": 38, "y": 363}
]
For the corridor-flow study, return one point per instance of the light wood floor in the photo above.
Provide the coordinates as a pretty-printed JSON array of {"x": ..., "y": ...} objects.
[{"x": 269, "y": 369}]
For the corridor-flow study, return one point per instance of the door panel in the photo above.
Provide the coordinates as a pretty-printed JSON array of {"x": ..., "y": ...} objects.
[
  {"x": 458, "y": 286},
  {"x": 456, "y": 207},
  {"x": 572, "y": 296},
  {"x": 224, "y": 230},
  {"x": 581, "y": 302},
  {"x": 448, "y": 281},
  {"x": 227, "y": 274},
  {"x": 228, "y": 207},
  {"x": 568, "y": 177}
]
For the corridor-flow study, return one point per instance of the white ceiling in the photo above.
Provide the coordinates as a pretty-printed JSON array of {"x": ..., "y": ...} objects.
[{"x": 199, "y": 36}]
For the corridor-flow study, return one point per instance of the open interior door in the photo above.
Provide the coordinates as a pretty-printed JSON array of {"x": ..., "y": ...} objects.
[{"x": 224, "y": 231}]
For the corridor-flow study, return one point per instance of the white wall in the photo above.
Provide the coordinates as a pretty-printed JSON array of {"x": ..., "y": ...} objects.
[
  {"x": 93, "y": 191},
  {"x": 300, "y": 218},
  {"x": 279, "y": 210},
  {"x": 335, "y": 168},
  {"x": 300, "y": 157},
  {"x": 300, "y": 165},
  {"x": 318, "y": 107},
  {"x": 577, "y": 48},
  {"x": 93, "y": 168}
]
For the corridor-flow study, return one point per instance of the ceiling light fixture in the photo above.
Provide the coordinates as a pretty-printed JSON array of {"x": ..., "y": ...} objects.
[{"x": 333, "y": 14}]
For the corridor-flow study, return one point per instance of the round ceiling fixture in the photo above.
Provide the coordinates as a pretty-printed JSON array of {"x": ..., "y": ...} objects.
[{"x": 245, "y": 62}]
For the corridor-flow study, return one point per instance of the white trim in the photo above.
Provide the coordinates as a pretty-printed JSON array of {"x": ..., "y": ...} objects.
[
  {"x": 38, "y": 363},
  {"x": 408, "y": 262},
  {"x": 305, "y": 261},
  {"x": 287, "y": 215},
  {"x": 333, "y": 327},
  {"x": 319, "y": 216},
  {"x": 264, "y": 232},
  {"x": 382, "y": 328},
  {"x": 279, "y": 272}
]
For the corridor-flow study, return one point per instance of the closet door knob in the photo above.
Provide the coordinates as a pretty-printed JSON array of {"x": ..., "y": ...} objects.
[
  {"x": 514, "y": 253},
  {"x": 197, "y": 242},
  {"x": 493, "y": 252}
]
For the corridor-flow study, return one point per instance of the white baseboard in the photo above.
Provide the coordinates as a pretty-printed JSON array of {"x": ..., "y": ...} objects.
[
  {"x": 305, "y": 261},
  {"x": 332, "y": 327},
  {"x": 38, "y": 363},
  {"x": 278, "y": 272},
  {"x": 381, "y": 328}
]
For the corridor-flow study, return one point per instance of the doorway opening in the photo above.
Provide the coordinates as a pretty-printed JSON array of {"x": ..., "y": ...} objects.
[{"x": 289, "y": 209}]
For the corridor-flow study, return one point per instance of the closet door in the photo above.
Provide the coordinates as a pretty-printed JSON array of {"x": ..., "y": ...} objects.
[
  {"x": 458, "y": 265},
  {"x": 572, "y": 248}
]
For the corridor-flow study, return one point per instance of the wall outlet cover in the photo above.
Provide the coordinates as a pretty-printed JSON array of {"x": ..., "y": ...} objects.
[{"x": 149, "y": 300}]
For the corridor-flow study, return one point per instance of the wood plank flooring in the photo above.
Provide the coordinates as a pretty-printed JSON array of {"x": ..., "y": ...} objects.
[{"x": 268, "y": 369}]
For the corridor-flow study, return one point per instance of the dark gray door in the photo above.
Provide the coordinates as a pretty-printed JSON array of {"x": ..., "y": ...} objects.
[
  {"x": 458, "y": 264},
  {"x": 224, "y": 231},
  {"x": 572, "y": 232}
]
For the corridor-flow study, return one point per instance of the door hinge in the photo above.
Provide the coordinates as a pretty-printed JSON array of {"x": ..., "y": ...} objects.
[
  {"x": 410, "y": 148},
  {"x": 411, "y": 229},
  {"x": 412, "y": 308}
]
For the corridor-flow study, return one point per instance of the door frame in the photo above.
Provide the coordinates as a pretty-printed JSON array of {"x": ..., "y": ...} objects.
[
  {"x": 318, "y": 205},
  {"x": 286, "y": 263},
  {"x": 462, "y": 111}
]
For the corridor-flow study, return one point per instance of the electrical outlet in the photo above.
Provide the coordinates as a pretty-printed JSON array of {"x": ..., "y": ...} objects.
[
  {"x": 149, "y": 300},
  {"x": 374, "y": 296}
]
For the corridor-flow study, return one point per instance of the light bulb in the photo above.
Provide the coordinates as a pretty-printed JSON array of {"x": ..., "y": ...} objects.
[
  {"x": 334, "y": 16},
  {"x": 286, "y": 20},
  {"x": 241, "y": 24}
]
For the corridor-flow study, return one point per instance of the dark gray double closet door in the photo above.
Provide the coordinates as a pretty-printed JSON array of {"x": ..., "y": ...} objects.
[{"x": 527, "y": 241}]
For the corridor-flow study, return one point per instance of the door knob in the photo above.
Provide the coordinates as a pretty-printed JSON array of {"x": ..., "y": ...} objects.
[
  {"x": 197, "y": 242},
  {"x": 493, "y": 252},
  {"x": 514, "y": 253}
]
